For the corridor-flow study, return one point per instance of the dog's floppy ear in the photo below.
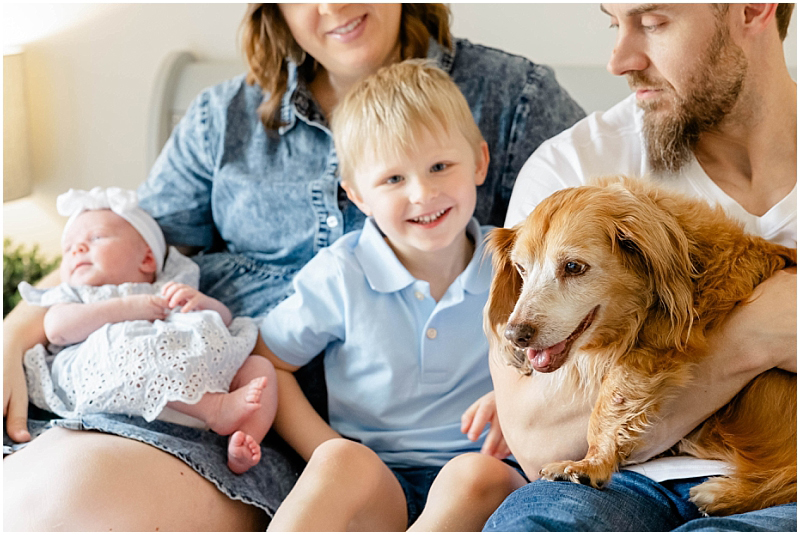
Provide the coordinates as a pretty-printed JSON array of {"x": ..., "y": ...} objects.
[
  {"x": 506, "y": 282},
  {"x": 651, "y": 240}
]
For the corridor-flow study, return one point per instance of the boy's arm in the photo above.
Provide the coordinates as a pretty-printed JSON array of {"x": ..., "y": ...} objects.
[
  {"x": 70, "y": 323},
  {"x": 298, "y": 423}
]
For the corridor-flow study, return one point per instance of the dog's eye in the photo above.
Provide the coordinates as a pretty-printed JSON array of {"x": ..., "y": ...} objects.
[
  {"x": 520, "y": 269},
  {"x": 574, "y": 268}
]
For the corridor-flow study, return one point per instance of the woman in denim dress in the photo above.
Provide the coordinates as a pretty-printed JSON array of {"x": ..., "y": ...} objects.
[{"x": 248, "y": 181}]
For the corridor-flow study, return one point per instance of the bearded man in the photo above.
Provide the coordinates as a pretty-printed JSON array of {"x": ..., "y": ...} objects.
[{"x": 714, "y": 115}]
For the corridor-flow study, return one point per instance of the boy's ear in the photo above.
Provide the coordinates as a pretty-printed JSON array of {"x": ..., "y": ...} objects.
[
  {"x": 149, "y": 264},
  {"x": 352, "y": 194},
  {"x": 482, "y": 164}
]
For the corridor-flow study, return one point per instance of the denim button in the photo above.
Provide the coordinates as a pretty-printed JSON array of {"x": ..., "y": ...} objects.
[{"x": 332, "y": 221}]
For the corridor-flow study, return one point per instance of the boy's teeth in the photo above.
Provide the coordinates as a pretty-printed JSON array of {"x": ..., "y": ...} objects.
[
  {"x": 349, "y": 27},
  {"x": 429, "y": 218}
]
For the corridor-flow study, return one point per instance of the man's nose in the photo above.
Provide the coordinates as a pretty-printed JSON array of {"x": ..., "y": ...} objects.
[{"x": 628, "y": 55}]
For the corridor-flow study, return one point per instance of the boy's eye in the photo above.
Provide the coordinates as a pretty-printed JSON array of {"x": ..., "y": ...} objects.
[
  {"x": 437, "y": 167},
  {"x": 394, "y": 179}
]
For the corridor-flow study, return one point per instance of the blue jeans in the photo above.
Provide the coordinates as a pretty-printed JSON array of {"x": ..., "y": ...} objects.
[{"x": 630, "y": 502}]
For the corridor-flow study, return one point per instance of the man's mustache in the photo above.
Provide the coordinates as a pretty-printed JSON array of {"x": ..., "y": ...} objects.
[{"x": 638, "y": 80}]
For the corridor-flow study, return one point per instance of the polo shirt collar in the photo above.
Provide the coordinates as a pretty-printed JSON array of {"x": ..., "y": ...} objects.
[{"x": 386, "y": 274}]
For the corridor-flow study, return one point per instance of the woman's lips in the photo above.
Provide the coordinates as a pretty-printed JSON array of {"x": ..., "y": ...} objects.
[{"x": 349, "y": 31}]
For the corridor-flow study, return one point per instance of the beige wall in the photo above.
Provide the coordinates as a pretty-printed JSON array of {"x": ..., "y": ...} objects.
[{"x": 90, "y": 69}]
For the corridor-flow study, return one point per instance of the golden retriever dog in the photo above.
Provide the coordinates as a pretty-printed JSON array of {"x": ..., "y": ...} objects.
[{"x": 611, "y": 288}]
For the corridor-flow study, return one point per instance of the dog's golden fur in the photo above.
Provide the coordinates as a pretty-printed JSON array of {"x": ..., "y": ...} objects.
[{"x": 611, "y": 288}]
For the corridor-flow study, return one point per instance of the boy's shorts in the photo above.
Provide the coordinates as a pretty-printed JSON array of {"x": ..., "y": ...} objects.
[{"x": 416, "y": 484}]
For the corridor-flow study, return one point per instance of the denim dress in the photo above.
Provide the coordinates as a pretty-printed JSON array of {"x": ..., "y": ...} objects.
[{"x": 260, "y": 205}]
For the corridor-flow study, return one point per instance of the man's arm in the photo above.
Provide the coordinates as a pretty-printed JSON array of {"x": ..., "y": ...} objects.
[{"x": 759, "y": 335}]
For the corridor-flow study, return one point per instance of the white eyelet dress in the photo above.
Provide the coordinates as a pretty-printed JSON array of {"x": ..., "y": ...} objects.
[{"x": 136, "y": 367}]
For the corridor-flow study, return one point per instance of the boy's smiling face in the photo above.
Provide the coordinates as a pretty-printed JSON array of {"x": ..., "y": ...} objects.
[{"x": 422, "y": 198}]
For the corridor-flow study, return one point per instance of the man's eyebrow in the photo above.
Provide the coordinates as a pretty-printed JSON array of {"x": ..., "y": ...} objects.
[{"x": 638, "y": 10}]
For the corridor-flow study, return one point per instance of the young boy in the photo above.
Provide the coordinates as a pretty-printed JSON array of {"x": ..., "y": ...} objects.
[{"x": 397, "y": 308}]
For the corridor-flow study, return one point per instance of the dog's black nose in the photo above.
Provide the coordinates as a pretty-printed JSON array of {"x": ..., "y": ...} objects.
[{"x": 520, "y": 334}]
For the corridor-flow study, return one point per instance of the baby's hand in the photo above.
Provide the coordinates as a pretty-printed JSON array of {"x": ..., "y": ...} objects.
[
  {"x": 183, "y": 296},
  {"x": 145, "y": 307},
  {"x": 475, "y": 419}
]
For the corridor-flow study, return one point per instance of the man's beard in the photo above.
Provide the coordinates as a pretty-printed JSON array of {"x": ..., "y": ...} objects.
[{"x": 713, "y": 89}]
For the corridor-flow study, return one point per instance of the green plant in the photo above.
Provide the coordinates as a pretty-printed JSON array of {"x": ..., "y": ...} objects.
[{"x": 22, "y": 264}]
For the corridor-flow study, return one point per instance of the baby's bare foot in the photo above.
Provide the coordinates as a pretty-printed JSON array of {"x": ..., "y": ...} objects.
[
  {"x": 243, "y": 452},
  {"x": 235, "y": 407}
]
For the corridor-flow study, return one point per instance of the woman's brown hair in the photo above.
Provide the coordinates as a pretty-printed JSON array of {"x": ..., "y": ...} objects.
[{"x": 268, "y": 45}]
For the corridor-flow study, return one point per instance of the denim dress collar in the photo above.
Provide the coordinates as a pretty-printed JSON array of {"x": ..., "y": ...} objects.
[{"x": 298, "y": 102}]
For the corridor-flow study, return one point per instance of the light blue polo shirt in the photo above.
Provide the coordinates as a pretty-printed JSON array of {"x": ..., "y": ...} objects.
[{"x": 400, "y": 367}]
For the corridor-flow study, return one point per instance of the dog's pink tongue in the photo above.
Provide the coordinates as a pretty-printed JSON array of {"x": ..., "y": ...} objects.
[{"x": 541, "y": 358}]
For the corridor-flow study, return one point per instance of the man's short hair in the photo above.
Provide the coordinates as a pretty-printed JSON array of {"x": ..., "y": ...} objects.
[
  {"x": 386, "y": 112},
  {"x": 783, "y": 16}
]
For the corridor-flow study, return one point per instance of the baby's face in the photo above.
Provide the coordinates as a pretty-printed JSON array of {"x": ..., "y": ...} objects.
[{"x": 100, "y": 248}]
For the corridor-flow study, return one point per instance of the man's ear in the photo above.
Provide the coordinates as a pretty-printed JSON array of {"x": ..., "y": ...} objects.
[
  {"x": 756, "y": 18},
  {"x": 149, "y": 264},
  {"x": 352, "y": 194},
  {"x": 482, "y": 164}
]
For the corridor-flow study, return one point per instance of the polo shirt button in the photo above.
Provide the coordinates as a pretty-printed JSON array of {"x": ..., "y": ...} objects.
[
  {"x": 332, "y": 221},
  {"x": 419, "y": 295},
  {"x": 431, "y": 333}
]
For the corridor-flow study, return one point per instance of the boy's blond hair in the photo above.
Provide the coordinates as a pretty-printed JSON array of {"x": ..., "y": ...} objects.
[{"x": 386, "y": 112}]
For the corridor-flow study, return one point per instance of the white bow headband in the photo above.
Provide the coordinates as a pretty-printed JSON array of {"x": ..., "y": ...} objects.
[{"x": 122, "y": 202}]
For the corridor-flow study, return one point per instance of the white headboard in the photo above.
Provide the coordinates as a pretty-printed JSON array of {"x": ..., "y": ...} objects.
[
  {"x": 179, "y": 80},
  {"x": 182, "y": 76}
]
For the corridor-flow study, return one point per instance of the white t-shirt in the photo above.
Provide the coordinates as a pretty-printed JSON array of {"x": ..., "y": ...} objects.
[{"x": 611, "y": 143}]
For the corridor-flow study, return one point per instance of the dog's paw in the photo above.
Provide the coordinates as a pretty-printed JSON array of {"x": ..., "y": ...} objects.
[
  {"x": 584, "y": 472},
  {"x": 717, "y": 496}
]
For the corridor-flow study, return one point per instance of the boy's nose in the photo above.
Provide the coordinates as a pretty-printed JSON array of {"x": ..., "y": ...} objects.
[{"x": 423, "y": 191}]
